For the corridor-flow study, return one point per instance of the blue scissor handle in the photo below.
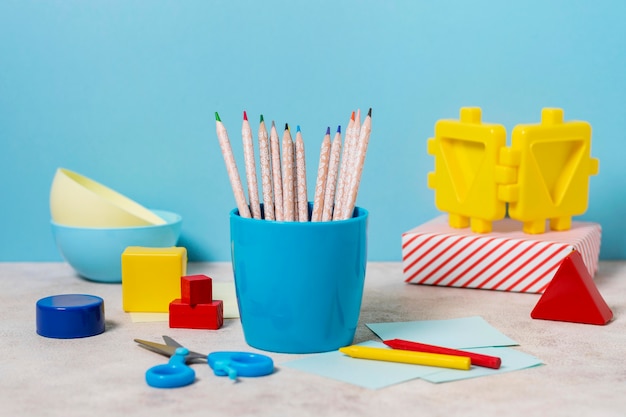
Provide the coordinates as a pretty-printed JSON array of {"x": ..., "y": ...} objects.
[
  {"x": 236, "y": 364},
  {"x": 173, "y": 374}
]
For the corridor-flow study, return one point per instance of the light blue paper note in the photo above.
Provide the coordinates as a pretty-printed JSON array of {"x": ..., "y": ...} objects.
[
  {"x": 512, "y": 360},
  {"x": 461, "y": 333},
  {"x": 362, "y": 372},
  {"x": 472, "y": 334}
]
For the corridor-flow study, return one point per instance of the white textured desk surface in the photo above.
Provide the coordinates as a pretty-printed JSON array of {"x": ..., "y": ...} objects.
[{"x": 584, "y": 372}]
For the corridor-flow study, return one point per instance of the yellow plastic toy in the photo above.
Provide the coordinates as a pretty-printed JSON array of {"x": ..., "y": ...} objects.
[
  {"x": 543, "y": 175},
  {"x": 554, "y": 164},
  {"x": 151, "y": 277},
  {"x": 467, "y": 173}
]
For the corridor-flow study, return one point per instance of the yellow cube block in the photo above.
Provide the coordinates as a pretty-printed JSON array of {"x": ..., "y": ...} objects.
[{"x": 151, "y": 277}]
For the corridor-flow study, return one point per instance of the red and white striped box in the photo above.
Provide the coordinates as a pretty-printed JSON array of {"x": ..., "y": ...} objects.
[{"x": 506, "y": 259}]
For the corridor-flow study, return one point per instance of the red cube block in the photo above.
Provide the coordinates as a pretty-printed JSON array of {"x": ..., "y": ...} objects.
[
  {"x": 200, "y": 316},
  {"x": 196, "y": 289}
]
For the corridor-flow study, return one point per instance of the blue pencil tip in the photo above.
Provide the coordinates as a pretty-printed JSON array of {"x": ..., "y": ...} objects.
[
  {"x": 339, "y": 129},
  {"x": 297, "y": 128},
  {"x": 328, "y": 130}
]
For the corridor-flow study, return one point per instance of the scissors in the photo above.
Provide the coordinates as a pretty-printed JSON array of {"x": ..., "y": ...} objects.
[{"x": 176, "y": 373}]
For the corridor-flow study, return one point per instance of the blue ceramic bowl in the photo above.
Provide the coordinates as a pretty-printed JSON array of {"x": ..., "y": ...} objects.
[{"x": 96, "y": 253}]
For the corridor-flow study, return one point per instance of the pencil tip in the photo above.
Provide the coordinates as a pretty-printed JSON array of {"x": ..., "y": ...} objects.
[
  {"x": 328, "y": 130},
  {"x": 286, "y": 126},
  {"x": 261, "y": 121},
  {"x": 339, "y": 129},
  {"x": 273, "y": 125},
  {"x": 217, "y": 117},
  {"x": 297, "y": 128},
  {"x": 352, "y": 117},
  {"x": 245, "y": 116},
  {"x": 369, "y": 113}
]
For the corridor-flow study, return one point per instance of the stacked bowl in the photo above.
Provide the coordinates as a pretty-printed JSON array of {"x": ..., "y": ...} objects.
[{"x": 92, "y": 225}]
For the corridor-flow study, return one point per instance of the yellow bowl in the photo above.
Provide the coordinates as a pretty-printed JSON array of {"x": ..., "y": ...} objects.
[{"x": 76, "y": 200}]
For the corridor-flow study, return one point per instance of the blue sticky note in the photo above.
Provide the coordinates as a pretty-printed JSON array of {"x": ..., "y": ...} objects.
[
  {"x": 460, "y": 333},
  {"x": 362, "y": 372},
  {"x": 473, "y": 334},
  {"x": 512, "y": 360}
]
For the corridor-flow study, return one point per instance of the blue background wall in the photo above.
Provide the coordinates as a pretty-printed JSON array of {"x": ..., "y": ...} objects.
[{"x": 125, "y": 92}]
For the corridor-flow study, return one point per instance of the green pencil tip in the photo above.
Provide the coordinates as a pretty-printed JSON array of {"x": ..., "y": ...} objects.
[
  {"x": 261, "y": 119},
  {"x": 217, "y": 117}
]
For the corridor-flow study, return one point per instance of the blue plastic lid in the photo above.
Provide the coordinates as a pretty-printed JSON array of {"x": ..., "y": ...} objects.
[{"x": 68, "y": 316}]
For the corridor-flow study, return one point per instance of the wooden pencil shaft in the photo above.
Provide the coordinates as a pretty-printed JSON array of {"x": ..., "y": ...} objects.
[
  {"x": 303, "y": 202},
  {"x": 359, "y": 161},
  {"x": 288, "y": 177},
  {"x": 266, "y": 172},
  {"x": 320, "y": 183},
  {"x": 251, "y": 178},
  {"x": 277, "y": 177},
  {"x": 343, "y": 178},
  {"x": 331, "y": 181},
  {"x": 231, "y": 168}
]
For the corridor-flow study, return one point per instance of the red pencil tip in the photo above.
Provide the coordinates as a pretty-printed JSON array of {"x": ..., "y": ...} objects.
[{"x": 245, "y": 115}]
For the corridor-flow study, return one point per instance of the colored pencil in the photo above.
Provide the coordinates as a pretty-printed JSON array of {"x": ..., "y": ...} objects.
[
  {"x": 248, "y": 154},
  {"x": 266, "y": 171},
  {"x": 343, "y": 179},
  {"x": 303, "y": 202},
  {"x": 277, "y": 176},
  {"x": 359, "y": 161},
  {"x": 231, "y": 168},
  {"x": 322, "y": 174},
  {"x": 288, "y": 177},
  {"x": 331, "y": 181},
  {"x": 283, "y": 172},
  {"x": 486, "y": 361},
  {"x": 356, "y": 130}
]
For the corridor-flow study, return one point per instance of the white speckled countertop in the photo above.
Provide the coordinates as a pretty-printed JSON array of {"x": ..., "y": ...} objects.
[{"x": 584, "y": 372}]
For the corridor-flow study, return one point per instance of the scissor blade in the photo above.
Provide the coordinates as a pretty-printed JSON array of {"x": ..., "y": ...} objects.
[
  {"x": 191, "y": 356},
  {"x": 157, "y": 347},
  {"x": 171, "y": 342}
]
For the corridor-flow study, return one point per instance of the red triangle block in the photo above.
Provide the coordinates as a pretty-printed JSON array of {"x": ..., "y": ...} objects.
[{"x": 572, "y": 296}]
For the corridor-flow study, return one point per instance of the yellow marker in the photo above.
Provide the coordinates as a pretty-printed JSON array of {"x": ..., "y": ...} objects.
[{"x": 407, "y": 356}]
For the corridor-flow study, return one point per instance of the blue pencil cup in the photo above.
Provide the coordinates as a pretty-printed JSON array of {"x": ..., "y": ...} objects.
[{"x": 299, "y": 284}]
